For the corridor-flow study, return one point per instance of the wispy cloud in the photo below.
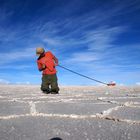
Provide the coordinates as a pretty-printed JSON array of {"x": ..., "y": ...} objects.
[
  {"x": 138, "y": 83},
  {"x": 14, "y": 56},
  {"x": 101, "y": 39},
  {"x": 16, "y": 66},
  {"x": 83, "y": 57},
  {"x": 3, "y": 81},
  {"x": 53, "y": 41}
]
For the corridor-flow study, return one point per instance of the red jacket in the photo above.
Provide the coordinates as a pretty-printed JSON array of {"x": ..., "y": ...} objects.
[{"x": 50, "y": 61}]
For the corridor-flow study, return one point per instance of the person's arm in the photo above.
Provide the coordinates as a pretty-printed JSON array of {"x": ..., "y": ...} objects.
[
  {"x": 41, "y": 67},
  {"x": 55, "y": 60}
]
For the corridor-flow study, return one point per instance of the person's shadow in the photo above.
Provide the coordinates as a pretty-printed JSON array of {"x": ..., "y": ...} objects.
[{"x": 56, "y": 138}]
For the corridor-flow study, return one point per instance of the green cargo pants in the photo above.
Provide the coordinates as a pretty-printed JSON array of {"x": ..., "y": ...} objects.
[{"x": 49, "y": 83}]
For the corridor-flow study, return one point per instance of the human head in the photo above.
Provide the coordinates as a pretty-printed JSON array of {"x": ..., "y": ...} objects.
[{"x": 39, "y": 51}]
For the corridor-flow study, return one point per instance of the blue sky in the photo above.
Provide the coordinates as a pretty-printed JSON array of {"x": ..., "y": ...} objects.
[{"x": 98, "y": 38}]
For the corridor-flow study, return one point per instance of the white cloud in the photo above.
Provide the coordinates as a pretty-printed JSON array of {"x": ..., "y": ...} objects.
[
  {"x": 3, "y": 81},
  {"x": 138, "y": 83},
  {"x": 83, "y": 57},
  {"x": 101, "y": 39},
  {"x": 18, "y": 55},
  {"x": 16, "y": 66},
  {"x": 53, "y": 41},
  {"x": 50, "y": 31}
]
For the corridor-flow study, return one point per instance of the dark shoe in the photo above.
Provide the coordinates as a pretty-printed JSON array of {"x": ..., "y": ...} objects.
[
  {"x": 46, "y": 91},
  {"x": 54, "y": 93}
]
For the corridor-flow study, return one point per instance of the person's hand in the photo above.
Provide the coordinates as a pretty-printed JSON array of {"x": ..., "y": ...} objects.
[{"x": 43, "y": 66}]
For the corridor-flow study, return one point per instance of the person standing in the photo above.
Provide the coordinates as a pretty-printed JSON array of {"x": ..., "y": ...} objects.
[{"x": 46, "y": 63}]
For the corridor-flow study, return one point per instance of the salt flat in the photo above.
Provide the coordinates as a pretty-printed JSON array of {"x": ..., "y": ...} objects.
[{"x": 77, "y": 113}]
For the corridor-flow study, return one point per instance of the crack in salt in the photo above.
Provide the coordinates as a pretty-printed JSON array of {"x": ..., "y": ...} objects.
[
  {"x": 125, "y": 104},
  {"x": 32, "y": 107},
  {"x": 107, "y": 112},
  {"x": 71, "y": 116},
  {"x": 108, "y": 101}
]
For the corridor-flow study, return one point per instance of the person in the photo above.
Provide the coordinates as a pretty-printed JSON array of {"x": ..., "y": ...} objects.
[{"x": 46, "y": 63}]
